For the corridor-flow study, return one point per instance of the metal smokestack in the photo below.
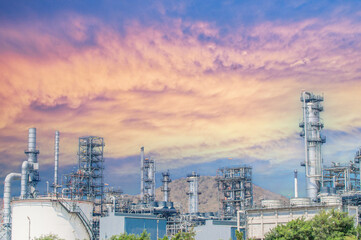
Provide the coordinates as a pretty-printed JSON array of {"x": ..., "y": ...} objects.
[
  {"x": 56, "y": 159},
  {"x": 32, "y": 153},
  {"x": 296, "y": 184}
]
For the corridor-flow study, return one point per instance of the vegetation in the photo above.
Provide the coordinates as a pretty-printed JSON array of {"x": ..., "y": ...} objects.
[
  {"x": 49, "y": 237},
  {"x": 239, "y": 235},
  {"x": 146, "y": 236},
  {"x": 124, "y": 236},
  {"x": 331, "y": 225}
]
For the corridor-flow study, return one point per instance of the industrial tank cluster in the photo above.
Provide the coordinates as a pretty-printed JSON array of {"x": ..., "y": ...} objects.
[{"x": 82, "y": 208}]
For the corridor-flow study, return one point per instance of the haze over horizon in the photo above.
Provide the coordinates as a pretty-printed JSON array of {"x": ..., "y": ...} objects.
[{"x": 200, "y": 84}]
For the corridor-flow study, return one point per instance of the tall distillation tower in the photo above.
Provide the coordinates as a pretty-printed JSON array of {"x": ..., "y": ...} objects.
[
  {"x": 313, "y": 140},
  {"x": 165, "y": 188},
  {"x": 147, "y": 171},
  {"x": 193, "y": 192}
]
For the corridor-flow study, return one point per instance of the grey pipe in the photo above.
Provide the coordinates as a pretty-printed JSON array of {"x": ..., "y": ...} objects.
[
  {"x": 7, "y": 197},
  {"x": 32, "y": 156},
  {"x": 24, "y": 179},
  {"x": 296, "y": 184},
  {"x": 56, "y": 157}
]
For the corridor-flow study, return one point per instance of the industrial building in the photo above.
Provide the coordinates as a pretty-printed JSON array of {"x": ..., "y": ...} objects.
[
  {"x": 328, "y": 187},
  {"x": 80, "y": 207}
]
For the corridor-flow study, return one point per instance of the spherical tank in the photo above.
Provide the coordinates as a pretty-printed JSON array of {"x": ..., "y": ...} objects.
[{"x": 33, "y": 218}]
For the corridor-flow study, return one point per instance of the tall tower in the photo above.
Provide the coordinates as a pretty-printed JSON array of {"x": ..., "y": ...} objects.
[
  {"x": 147, "y": 185},
  {"x": 193, "y": 192},
  {"x": 235, "y": 190},
  {"x": 32, "y": 154},
  {"x": 165, "y": 188},
  {"x": 311, "y": 132},
  {"x": 87, "y": 183}
]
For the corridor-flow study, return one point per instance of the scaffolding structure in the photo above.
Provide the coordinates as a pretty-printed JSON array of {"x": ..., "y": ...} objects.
[
  {"x": 313, "y": 140},
  {"x": 165, "y": 188},
  {"x": 87, "y": 183},
  {"x": 147, "y": 178},
  {"x": 341, "y": 178},
  {"x": 235, "y": 190},
  {"x": 193, "y": 193}
]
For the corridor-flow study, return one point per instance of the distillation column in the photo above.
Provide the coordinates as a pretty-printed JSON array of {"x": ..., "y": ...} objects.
[
  {"x": 311, "y": 132},
  {"x": 56, "y": 159},
  {"x": 30, "y": 168},
  {"x": 193, "y": 192},
  {"x": 165, "y": 188},
  {"x": 147, "y": 184},
  {"x": 142, "y": 174}
]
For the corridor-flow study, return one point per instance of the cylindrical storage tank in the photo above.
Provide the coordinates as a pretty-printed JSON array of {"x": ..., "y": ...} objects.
[
  {"x": 162, "y": 204},
  {"x": 39, "y": 217},
  {"x": 300, "y": 202},
  {"x": 153, "y": 204},
  {"x": 170, "y": 205},
  {"x": 331, "y": 200},
  {"x": 271, "y": 203}
]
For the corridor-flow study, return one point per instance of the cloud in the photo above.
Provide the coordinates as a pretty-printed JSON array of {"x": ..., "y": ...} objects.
[{"x": 188, "y": 92}]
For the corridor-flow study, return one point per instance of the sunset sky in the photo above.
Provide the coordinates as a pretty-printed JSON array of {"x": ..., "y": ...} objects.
[{"x": 199, "y": 84}]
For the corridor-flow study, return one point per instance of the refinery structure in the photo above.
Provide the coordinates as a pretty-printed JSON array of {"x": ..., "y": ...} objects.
[{"x": 79, "y": 206}]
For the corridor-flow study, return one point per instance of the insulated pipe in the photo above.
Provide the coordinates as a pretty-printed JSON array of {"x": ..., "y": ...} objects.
[
  {"x": 24, "y": 179},
  {"x": 296, "y": 184},
  {"x": 7, "y": 197},
  {"x": 56, "y": 158}
]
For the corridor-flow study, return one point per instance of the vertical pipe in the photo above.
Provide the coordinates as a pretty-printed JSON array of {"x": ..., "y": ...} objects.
[
  {"x": 142, "y": 173},
  {"x": 296, "y": 184},
  {"x": 32, "y": 156},
  {"x": 56, "y": 159},
  {"x": 24, "y": 180},
  {"x": 7, "y": 198}
]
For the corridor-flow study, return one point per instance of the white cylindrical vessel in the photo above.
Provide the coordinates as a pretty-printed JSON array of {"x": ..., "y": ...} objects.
[
  {"x": 33, "y": 218},
  {"x": 297, "y": 202},
  {"x": 331, "y": 200},
  {"x": 271, "y": 203}
]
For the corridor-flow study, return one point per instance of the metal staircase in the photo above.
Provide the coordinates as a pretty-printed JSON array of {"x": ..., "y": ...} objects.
[{"x": 74, "y": 208}]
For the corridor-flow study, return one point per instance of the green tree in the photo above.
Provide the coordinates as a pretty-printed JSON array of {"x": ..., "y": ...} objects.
[
  {"x": 184, "y": 235},
  {"x": 331, "y": 225},
  {"x": 125, "y": 236},
  {"x": 48, "y": 237},
  {"x": 239, "y": 235},
  {"x": 298, "y": 229}
]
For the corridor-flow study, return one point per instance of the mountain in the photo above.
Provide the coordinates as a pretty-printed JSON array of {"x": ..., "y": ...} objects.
[{"x": 208, "y": 200}]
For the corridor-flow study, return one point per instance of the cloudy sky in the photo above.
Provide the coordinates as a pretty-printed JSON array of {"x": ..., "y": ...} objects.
[{"x": 200, "y": 84}]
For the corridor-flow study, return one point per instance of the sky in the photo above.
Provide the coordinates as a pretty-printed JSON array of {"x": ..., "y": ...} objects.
[{"x": 200, "y": 84}]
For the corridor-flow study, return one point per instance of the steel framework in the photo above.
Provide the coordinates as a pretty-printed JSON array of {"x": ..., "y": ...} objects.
[
  {"x": 87, "y": 183},
  {"x": 235, "y": 190},
  {"x": 147, "y": 178}
]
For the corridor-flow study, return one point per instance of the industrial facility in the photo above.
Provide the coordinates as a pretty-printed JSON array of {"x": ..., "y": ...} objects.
[{"x": 81, "y": 207}]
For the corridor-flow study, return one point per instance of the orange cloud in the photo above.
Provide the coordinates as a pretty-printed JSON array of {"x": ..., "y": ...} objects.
[{"x": 184, "y": 90}]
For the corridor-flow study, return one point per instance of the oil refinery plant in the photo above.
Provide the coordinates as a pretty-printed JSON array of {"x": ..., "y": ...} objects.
[{"x": 81, "y": 207}]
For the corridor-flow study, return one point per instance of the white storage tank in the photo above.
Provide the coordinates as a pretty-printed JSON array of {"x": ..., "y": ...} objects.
[
  {"x": 271, "y": 203},
  {"x": 331, "y": 200},
  {"x": 45, "y": 216},
  {"x": 298, "y": 202}
]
